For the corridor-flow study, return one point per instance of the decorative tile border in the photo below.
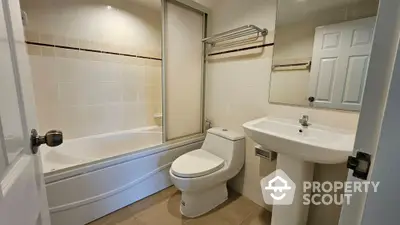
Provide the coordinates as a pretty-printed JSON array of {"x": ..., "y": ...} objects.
[
  {"x": 56, "y": 45},
  {"x": 89, "y": 50},
  {"x": 241, "y": 49}
]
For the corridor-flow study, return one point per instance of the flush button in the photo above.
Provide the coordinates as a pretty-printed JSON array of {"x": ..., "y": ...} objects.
[{"x": 224, "y": 129}]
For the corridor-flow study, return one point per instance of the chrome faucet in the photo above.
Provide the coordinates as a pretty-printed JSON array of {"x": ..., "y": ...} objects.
[{"x": 304, "y": 121}]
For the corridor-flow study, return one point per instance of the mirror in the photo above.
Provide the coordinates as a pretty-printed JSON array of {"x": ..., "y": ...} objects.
[{"x": 321, "y": 54}]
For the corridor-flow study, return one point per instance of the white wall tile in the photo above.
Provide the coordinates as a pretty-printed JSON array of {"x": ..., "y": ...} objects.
[
  {"x": 78, "y": 91},
  {"x": 74, "y": 121},
  {"x": 72, "y": 94},
  {"x": 135, "y": 115},
  {"x": 105, "y": 118}
]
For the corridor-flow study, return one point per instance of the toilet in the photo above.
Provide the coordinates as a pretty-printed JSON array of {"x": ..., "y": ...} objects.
[{"x": 201, "y": 175}]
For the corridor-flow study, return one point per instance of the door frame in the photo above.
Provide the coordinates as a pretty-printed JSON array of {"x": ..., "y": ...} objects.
[
  {"x": 4, "y": 163},
  {"x": 380, "y": 91}
]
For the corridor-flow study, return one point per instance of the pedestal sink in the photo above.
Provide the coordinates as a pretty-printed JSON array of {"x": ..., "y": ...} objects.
[{"x": 298, "y": 149}]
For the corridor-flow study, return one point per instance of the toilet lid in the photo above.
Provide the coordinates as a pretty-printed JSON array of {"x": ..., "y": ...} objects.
[{"x": 196, "y": 163}]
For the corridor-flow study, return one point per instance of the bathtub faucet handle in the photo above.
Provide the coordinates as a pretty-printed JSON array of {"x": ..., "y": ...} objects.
[{"x": 52, "y": 138}]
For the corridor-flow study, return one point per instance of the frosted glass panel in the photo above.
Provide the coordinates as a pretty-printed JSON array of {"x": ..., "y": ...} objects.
[
  {"x": 9, "y": 108},
  {"x": 184, "y": 32}
]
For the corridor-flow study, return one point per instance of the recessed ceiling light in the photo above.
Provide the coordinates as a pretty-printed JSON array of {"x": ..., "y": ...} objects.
[{"x": 109, "y": 7}]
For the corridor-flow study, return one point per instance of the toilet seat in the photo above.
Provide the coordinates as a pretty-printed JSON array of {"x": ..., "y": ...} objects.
[{"x": 196, "y": 163}]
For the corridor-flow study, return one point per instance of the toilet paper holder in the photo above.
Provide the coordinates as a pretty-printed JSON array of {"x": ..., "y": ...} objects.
[{"x": 265, "y": 153}]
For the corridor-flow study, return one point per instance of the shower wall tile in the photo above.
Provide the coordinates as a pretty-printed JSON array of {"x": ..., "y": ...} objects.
[
  {"x": 85, "y": 97},
  {"x": 48, "y": 52},
  {"x": 31, "y": 36},
  {"x": 72, "y": 42},
  {"x": 46, "y": 38},
  {"x": 49, "y": 118},
  {"x": 111, "y": 115},
  {"x": 71, "y": 94},
  {"x": 59, "y": 40},
  {"x": 74, "y": 121},
  {"x": 34, "y": 50},
  {"x": 153, "y": 75},
  {"x": 135, "y": 115},
  {"x": 60, "y": 53},
  {"x": 132, "y": 92}
]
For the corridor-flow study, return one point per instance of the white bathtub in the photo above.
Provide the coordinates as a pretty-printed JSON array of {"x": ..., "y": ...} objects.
[
  {"x": 90, "y": 177},
  {"x": 97, "y": 147}
]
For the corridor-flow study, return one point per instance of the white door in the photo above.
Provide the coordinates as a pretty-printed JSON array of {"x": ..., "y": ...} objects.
[
  {"x": 339, "y": 63},
  {"x": 379, "y": 126},
  {"x": 22, "y": 193}
]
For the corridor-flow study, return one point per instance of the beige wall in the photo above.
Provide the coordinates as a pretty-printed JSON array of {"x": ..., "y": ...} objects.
[
  {"x": 238, "y": 90},
  {"x": 85, "y": 93},
  {"x": 127, "y": 25}
]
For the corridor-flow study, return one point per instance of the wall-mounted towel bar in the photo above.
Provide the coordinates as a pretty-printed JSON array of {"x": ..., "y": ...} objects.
[
  {"x": 292, "y": 66},
  {"x": 236, "y": 36}
]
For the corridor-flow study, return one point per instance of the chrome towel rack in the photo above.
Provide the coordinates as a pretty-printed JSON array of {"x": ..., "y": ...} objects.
[
  {"x": 235, "y": 36},
  {"x": 292, "y": 66}
]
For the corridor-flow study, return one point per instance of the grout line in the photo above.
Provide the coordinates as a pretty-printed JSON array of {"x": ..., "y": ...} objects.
[
  {"x": 245, "y": 218},
  {"x": 90, "y": 50},
  {"x": 241, "y": 49}
]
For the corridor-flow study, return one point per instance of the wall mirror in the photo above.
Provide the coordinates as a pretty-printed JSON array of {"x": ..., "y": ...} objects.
[{"x": 321, "y": 54}]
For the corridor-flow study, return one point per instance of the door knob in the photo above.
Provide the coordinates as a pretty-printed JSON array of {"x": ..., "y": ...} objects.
[{"x": 52, "y": 138}]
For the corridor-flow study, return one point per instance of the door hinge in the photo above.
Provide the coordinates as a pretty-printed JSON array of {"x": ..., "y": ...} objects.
[{"x": 360, "y": 165}]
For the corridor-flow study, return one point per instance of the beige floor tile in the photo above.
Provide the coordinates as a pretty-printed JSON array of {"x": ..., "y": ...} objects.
[
  {"x": 101, "y": 221},
  {"x": 131, "y": 221},
  {"x": 152, "y": 200},
  {"x": 163, "y": 208},
  {"x": 209, "y": 219},
  {"x": 237, "y": 208},
  {"x": 165, "y": 213},
  {"x": 259, "y": 217},
  {"x": 115, "y": 217}
]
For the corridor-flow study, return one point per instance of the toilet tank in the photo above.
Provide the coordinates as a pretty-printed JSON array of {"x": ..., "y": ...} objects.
[{"x": 225, "y": 144}]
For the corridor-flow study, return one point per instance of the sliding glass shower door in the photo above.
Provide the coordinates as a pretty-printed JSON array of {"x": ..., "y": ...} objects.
[{"x": 184, "y": 29}]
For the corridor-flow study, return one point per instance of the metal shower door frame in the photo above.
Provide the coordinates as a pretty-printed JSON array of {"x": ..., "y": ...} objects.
[{"x": 191, "y": 5}]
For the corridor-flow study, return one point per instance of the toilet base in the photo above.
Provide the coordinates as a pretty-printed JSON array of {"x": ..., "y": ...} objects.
[{"x": 194, "y": 204}]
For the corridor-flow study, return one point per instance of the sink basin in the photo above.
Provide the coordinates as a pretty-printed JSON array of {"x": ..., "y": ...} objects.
[
  {"x": 317, "y": 144},
  {"x": 298, "y": 150}
]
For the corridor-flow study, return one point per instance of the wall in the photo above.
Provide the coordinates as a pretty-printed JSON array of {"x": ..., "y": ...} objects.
[
  {"x": 101, "y": 69},
  {"x": 238, "y": 91},
  {"x": 294, "y": 44}
]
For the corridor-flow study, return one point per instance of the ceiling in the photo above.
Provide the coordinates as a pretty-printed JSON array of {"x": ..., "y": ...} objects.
[
  {"x": 290, "y": 11},
  {"x": 152, "y": 4}
]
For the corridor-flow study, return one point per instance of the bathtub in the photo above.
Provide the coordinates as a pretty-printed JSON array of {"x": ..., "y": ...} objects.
[{"x": 90, "y": 177}]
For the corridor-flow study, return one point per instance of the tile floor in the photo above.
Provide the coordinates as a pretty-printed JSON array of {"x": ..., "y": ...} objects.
[{"x": 163, "y": 209}]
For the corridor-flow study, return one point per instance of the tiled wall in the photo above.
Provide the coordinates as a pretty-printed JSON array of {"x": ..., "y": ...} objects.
[{"x": 90, "y": 77}]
